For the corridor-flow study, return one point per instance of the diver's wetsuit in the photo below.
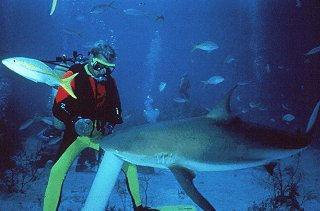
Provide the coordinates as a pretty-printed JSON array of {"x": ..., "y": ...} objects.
[{"x": 99, "y": 102}]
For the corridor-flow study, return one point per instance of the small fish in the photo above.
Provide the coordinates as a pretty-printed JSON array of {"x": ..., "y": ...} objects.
[
  {"x": 229, "y": 59},
  {"x": 162, "y": 86},
  {"x": 134, "y": 12},
  {"x": 268, "y": 68},
  {"x": 71, "y": 32},
  {"x": 214, "y": 80},
  {"x": 298, "y": 3},
  {"x": 26, "y": 124},
  {"x": 242, "y": 83},
  {"x": 159, "y": 17},
  {"x": 280, "y": 67},
  {"x": 288, "y": 117},
  {"x": 262, "y": 108},
  {"x": 285, "y": 106},
  {"x": 244, "y": 110},
  {"x": 313, "y": 51},
  {"x": 98, "y": 9},
  {"x": 272, "y": 120},
  {"x": 254, "y": 104},
  {"x": 206, "y": 46},
  {"x": 180, "y": 100}
]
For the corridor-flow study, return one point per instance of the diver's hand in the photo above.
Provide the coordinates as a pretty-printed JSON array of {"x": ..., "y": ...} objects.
[
  {"x": 109, "y": 129},
  {"x": 83, "y": 127},
  {"x": 96, "y": 136}
]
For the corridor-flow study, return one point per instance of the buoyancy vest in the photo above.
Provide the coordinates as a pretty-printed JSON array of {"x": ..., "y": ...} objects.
[{"x": 97, "y": 101}]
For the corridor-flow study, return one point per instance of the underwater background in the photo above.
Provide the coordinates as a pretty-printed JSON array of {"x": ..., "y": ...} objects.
[{"x": 263, "y": 44}]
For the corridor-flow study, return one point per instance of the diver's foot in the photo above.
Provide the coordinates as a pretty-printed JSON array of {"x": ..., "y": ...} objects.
[{"x": 141, "y": 208}]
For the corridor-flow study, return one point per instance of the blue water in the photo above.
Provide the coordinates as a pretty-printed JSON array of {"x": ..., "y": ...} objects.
[
  {"x": 277, "y": 33},
  {"x": 255, "y": 33},
  {"x": 267, "y": 38}
]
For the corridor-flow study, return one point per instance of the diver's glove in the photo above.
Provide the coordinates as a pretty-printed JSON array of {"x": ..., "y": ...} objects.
[{"x": 83, "y": 127}]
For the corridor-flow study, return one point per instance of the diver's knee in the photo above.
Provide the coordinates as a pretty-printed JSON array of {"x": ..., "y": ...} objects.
[{"x": 57, "y": 171}]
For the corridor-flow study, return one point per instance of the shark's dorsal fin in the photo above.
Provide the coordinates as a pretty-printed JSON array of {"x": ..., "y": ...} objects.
[{"x": 222, "y": 111}]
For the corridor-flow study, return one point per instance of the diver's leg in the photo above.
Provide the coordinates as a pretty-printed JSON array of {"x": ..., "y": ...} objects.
[
  {"x": 87, "y": 155},
  {"x": 58, "y": 173},
  {"x": 130, "y": 171},
  {"x": 81, "y": 161}
]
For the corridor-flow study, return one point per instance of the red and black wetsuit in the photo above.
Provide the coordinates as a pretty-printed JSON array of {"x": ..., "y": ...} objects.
[{"x": 95, "y": 100}]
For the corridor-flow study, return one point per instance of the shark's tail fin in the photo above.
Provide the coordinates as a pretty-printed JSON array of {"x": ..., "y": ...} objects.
[{"x": 313, "y": 119}]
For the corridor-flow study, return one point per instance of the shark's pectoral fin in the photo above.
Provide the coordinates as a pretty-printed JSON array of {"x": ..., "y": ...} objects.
[{"x": 185, "y": 178}]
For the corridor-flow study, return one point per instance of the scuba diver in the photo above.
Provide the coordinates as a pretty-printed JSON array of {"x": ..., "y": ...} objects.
[
  {"x": 94, "y": 113},
  {"x": 151, "y": 114},
  {"x": 184, "y": 87}
]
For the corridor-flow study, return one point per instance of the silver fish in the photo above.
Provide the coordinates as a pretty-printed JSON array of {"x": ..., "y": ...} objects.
[
  {"x": 180, "y": 100},
  {"x": 98, "y": 9},
  {"x": 38, "y": 71},
  {"x": 214, "y": 80},
  {"x": 313, "y": 51},
  {"x": 162, "y": 86},
  {"x": 288, "y": 117},
  {"x": 206, "y": 46},
  {"x": 134, "y": 12}
]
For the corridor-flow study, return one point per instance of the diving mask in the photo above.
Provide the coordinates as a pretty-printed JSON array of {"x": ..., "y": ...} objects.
[{"x": 102, "y": 67}]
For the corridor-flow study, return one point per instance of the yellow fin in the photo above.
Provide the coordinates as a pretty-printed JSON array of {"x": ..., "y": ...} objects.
[
  {"x": 66, "y": 84},
  {"x": 53, "y": 7}
]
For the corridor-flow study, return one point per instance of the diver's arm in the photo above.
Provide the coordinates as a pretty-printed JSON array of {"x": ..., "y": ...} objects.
[
  {"x": 117, "y": 109},
  {"x": 60, "y": 111}
]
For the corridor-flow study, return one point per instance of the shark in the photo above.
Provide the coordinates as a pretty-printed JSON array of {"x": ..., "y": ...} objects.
[
  {"x": 217, "y": 141},
  {"x": 38, "y": 71}
]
